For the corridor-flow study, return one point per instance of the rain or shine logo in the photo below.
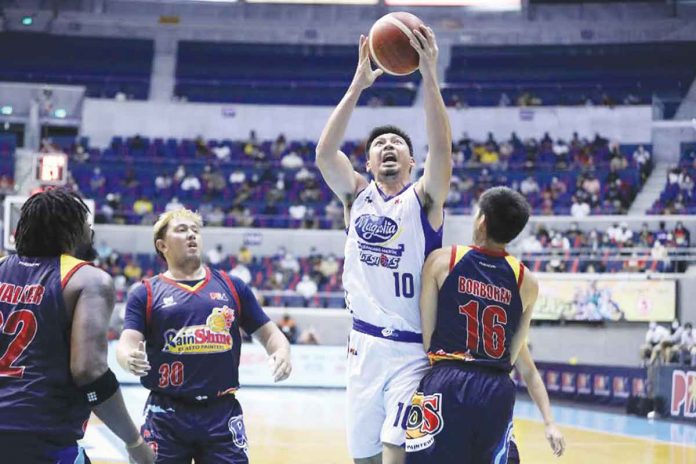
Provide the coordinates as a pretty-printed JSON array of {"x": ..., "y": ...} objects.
[{"x": 213, "y": 337}]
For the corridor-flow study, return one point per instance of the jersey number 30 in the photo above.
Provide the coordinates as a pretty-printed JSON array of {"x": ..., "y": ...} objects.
[{"x": 490, "y": 323}]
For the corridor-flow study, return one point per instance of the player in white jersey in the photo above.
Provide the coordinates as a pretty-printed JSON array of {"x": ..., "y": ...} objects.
[{"x": 392, "y": 225}]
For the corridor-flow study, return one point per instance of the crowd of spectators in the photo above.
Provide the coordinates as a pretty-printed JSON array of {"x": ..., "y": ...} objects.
[
  {"x": 577, "y": 177},
  {"x": 616, "y": 249},
  {"x": 676, "y": 344},
  {"x": 254, "y": 183}
]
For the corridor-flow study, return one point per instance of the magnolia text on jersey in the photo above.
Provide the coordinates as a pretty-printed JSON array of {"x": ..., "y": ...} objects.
[{"x": 484, "y": 290}]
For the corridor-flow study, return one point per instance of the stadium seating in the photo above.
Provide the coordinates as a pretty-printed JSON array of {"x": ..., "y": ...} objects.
[
  {"x": 679, "y": 194},
  {"x": 130, "y": 166},
  {"x": 8, "y": 143},
  {"x": 279, "y": 74},
  {"x": 569, "y": 75},
  {"x": 105, "y": 66}
]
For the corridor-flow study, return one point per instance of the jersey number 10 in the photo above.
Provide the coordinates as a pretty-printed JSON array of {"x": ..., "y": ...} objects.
[
  {"x": 491, "y": 322},
  {"x": 403, "y": 285}
]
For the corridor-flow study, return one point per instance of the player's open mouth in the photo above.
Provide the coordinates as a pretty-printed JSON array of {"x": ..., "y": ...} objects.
[{"x": 389, "y": 157}]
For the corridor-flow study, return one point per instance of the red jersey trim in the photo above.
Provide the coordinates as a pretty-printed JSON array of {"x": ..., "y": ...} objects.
[
  {"x": 486, "y": 251},
  {"x": 235, "y": 295},
  {"x": 453, "y": 257},
  {"x": 520, "y": 278},
  {"x": 148, "y": 303},
  {"x": 72, "y": 271}
]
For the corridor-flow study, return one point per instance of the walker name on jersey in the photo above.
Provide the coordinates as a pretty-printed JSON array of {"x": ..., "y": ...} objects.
[
  {"x": 14, "y": 294},
  {"x": 213, "y": 337}
]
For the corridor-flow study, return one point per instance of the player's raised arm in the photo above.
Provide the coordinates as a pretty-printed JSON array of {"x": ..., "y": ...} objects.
[
  {"x": 334, "y": 165},
  {"x": 435, "y": 183},
  {"x": 535, "y": 386},
  {"x": 529, "y": 292},
  {"x": 435, "y": 270}
]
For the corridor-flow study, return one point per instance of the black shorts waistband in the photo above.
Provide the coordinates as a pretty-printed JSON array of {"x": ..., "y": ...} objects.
[
  {"x": 200, "y": 400},
  {"x": 473, "y": 367}
]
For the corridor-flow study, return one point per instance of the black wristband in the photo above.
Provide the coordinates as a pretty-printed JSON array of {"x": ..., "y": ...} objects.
[{"x": 101, "y": 389}]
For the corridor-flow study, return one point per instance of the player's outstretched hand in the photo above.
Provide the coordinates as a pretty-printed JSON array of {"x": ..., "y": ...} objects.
[
  {"x": 426, "y": 46},
  {"x": 137, "y": 361},
  {"x": 141, "y": 454},
  {"x": 364, "y": 75},
  {"x": 280, "y": 365},
  {"x": 556, "y": 440}
]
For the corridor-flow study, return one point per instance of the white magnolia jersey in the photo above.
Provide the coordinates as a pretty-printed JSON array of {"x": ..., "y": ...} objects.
[{"x": 388, "y": 241}]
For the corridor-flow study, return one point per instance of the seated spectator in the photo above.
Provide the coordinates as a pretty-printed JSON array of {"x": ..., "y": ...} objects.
[
  {"x": 687, "y": 346},
  {"x": 132, "y": 271},
  {"x": 215, "y": 256},
  {"x": 278, "y": 146},
  {"x": 291, "y": 161},
  {"x": 309, "y": 337},
  {"x": 579, "y": 209},
  {"x": 297, "y": 212},
  {"x": 163, "y": 181},
  {"x": 237, "y": 177},
  {"x": 222, "y": 152},
  {"x": 642, "y": 159},
  {"x": 529, "y": 186},
  {"x": 306, "y": 287},
  {"x": 190, "y": 183},
  {"x": 591, "y": 184},
  {"x": 681, "y": 235},
  {"x": 98, "y": 181},
  {"x": 653, "y": 337},
  {"x": 173, "y": 205},
  {"x": 289, "y": 328},
  {"x": 103, "y": 250},
  {"x": 215, "y": 218},
  {"x": 143, "y": 206},
  {"x": 242, "y": 272},
  {"x": 663, "y": 235},
  {"x": 244, "y": 256},
  {"x": 624, "y": 236},
  {"x": 663, "y": 351},
  {"x": 645, "y": 237},
  {"x": 289, "y": 264}
]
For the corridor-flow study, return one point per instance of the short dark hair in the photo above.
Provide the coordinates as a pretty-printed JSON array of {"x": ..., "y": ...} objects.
[
  {"x": 51, "y": 223},
  {"x": 381, "y": 130},
  {"x": 506, "y": 211}
]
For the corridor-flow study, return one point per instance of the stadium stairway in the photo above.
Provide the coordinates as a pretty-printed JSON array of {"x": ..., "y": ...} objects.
[
  {"x": 687, "y": 109},
  {"x": 651, "y": 190}
]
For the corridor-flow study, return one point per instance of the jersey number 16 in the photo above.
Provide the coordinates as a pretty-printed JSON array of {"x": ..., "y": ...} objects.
[{"x": 490, "y": 323}]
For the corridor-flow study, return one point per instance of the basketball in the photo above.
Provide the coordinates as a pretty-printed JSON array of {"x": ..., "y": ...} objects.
[{"x": 389, "y": 43}]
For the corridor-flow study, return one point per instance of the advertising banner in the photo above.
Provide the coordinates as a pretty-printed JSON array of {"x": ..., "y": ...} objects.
[{"x": 585, "y": 299}]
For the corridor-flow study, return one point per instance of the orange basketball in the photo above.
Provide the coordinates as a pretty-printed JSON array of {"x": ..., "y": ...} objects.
[{"x": 389, "y": 43}]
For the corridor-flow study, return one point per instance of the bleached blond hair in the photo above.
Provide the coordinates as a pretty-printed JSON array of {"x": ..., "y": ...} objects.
[{"x": 159, "y": 230}]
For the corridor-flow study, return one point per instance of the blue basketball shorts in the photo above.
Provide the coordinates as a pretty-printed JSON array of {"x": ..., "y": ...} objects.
[
  {"x": 461, "y": 414},
  {"x": 209, "y": 432}
]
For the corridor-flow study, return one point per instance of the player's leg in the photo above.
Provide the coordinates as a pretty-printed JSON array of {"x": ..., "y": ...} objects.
[
  {"x": 407, "y": 371},
  {"x": 28, "y": 448},
  {"x": 222, "y": 438},
  {"x": 494, "y": 433},
  {"x": 167, "y": 430},
  {"x": 365, "y": 412},
  {"x": 440, "y": 425},
  {"x": 513, "y": 452}
]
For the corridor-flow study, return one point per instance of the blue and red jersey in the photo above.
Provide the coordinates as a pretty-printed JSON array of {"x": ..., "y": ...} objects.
[
  {"x": 192, "y": 332},
  {"x": 37, "y": 392},
  {"x": 479, "y": 308}
]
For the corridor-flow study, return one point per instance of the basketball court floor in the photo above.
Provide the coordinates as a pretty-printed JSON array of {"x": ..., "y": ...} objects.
[{"x": 306, "y": 426}]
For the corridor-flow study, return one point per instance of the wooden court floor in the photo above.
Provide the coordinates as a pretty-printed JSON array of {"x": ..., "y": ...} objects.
[{"x": 306, "y": 427}]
